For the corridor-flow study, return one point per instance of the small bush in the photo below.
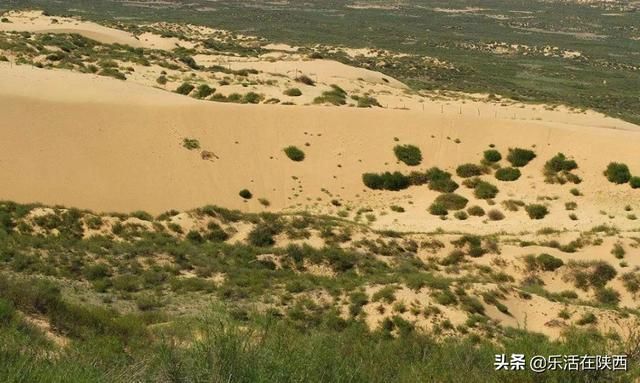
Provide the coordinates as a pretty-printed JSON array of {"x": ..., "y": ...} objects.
[
  {"x": 305, "y": 80},
  {"x": 587, "y": 318},
  {"x": 520, "y": 157},
  {"x": 608, "y": 296},
  {"x": 185, "y": 89},
  {"x": 441, "y": 181},
  {"x": 461, "y": 215},
  {"x": 559, "y": 163},
  {"x": 475, "y": 211},
  {"x": 409, "y": 154},
  {"x": 635, "y": 182},
  {"x": 495, "y": 215},
  {"x": 191, "y": 143},
  {"x": 618, "y": 173},
  {"x": 508, "y": 174},
  {"x": 492, "y": 156},
  {"x": 294, "y": 153},
  {"x": 245, "y": 193},
  {"x": 204, "y": 91},
  {"x": 468, "y": 170},
  {"x": 485, "y": 190},
  {"x": 162, "y": 80},
  {"x": 293, "y": 92},
  {"x": 536, "y": 211},
  {"x": 386, "y": 181},
  {"x": 438, "y": 209},
  {"x": 452, "y": 201},
  {"x": 548, "y": 262}
]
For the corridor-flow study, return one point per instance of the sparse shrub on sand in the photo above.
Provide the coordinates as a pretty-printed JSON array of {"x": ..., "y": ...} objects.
[
  {"x": 204, "y": 91},
  {"x": 548, "y": 262},
  {"x": 635, "y": 182},
  {"x": 508, "y": 174},
  {"x": 536, "y": 211},
  {"x": 386, "y": 181},
  {"x": 461, "y": 215},
  {"x": 293, "y": 92},
  {"x": 185, "y": 89},
  {"x": 558, "y": 170},
  {"x": 336, "y": 96},
  {"x": 246, "y": 194},
  {"x": 162, "y": 80},
  {"x": 512, "y": 204},
  {"x": 571, "y": 205},
  {"x": 305, "y": 80},
  {"x": 3, "y": 58},
  {"x": 440, "y": 180},
  {"x": 520, "y": 157},
  {"x": 631, "y": 282},
  {"x": 294, "y": 153},
  {"x": 262, "y": 235},
  {"x": 112, "y": 72},
  {"x": 618, "y": 173},
  {"x": 438, "y": 209},
  {"x": 485, "y": 190},
  {"x": 492, "y": 156},
  {"x": 608, "y": 296},
  {"x": 469, "y": 170},
  {"x": 397, "y": 209},
  {"x": 476, "y": 211},
  {"x": 191, "y": 143},
  {"x": 452, "y": 201},
  {"x": 576, "y": 192},
  {"x": 367, "y": 102},
  {"x": 495, "y": 215},
  {"x": 251, "y": 98},
  {"x": 409, "y": 154}
]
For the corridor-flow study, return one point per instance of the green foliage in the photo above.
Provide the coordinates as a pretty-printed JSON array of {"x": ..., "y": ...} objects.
[
  {"x": 451, "y": 201},
  {"x": 409, "y": 154},
  {"x": 492, "y": 156},
  {"x": 608, "y": 296},
  {"x": 618, "y": 173},
  {"x": 293, "y": 92},
  {"x": 475, "y": 211},
  {"x": 548, "y": 262},
  {"x": 203, "y": 91},
  {"x": 508, "y": 174},
  {"x": 386, "y": 181},
  {"x": 485, "y": 190},
  {"x": 438, "y": 209},
  {"x": 634, "y": 182},
  {"x": 336, "y": 96},
  {"x": 495, "y": 215},
  {"x": 469, "y": 170},
  {"x": 536, "y": 211},
  {"x": 294, "y": 153},
  {"x": 440, "y": 180},
  {"x": 185, "y": 89},
  {"x": 191, "y": 143},
  {"x": 520, "y": 157}
]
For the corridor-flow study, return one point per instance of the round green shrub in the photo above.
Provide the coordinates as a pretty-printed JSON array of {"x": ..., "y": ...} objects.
[
  {"x": 468, "y": 170},
  {"x": 536, "y": 211},
  {"x": 294, "y": 153},
  {"x": 508, "y": 174},
  {"x": 438, "y": 209},
  {"x": 409, "y": 154},
  {"x": 461, "y": 215},
  {"x": 386, "y": 181},
  {"x": 520, "y": 157},
  {"x": 548, "y": 262},
  {"x": 185, "y": 89},
  {"x": 293, "y": 92},
  {"x": 475, "y": 211},
  {"x": 635, "y": 182},
  {"x": 452, "y": 201},
  {"x": 618, "y": 173},
  {"x": 485, "y": 190},
  {"x": 492, "y": 155},
  {"x": 245, "y": 193}
]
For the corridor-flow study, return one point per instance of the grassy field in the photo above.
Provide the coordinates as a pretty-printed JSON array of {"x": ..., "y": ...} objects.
[
  {"x": 139, "y": 303},
  {"x": 605, "y": 76}
]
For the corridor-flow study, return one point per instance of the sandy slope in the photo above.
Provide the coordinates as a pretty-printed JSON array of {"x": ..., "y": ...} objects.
[{"x": 103, "y": 144}]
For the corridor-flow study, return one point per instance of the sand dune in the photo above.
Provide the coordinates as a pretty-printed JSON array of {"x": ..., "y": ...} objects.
[{"x": 73, "y": 139}]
